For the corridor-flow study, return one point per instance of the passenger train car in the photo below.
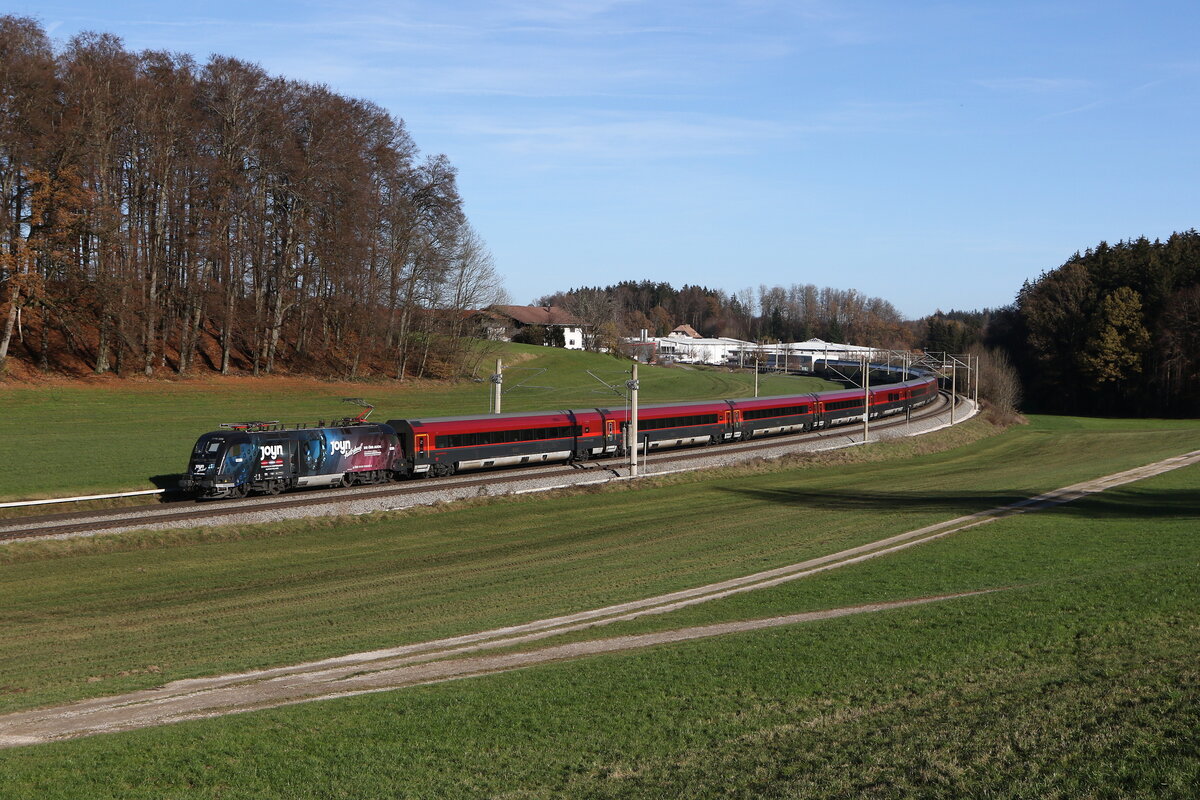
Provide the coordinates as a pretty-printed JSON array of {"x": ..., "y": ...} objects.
[
  {"x": 264, "y": 458},
  {"x": 445, "y": 445}
]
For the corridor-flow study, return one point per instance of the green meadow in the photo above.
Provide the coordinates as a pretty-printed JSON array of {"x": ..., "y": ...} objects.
[{"x": 1077, "y": 678}]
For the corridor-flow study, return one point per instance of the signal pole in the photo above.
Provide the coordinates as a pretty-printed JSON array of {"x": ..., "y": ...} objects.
[
  {"x": 953, "y": 389},
  {"x": 866, "y": 399},
  {"x": 632, "y": 430},
  {"x": 977, "y": 376},
  {"x": 498, "y": 382}
]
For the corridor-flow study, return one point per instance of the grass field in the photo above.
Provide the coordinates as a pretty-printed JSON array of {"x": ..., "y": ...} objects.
[
  {"x": 1079, "y": 679},
  {"x": 62, "y": 439}
]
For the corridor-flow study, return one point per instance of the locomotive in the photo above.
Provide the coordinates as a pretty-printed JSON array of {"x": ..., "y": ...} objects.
[{"x": 266, "y": 458}]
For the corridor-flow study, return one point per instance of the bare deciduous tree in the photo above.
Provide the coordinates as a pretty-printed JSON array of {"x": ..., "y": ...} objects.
[{"x": 156, "y": 208}]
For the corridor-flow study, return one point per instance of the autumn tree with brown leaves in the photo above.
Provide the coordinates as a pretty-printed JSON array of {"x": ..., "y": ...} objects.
[{"x": 157, "y": 214}]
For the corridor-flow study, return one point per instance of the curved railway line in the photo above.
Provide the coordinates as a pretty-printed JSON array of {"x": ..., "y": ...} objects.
[{"x": 191, "y": 511}]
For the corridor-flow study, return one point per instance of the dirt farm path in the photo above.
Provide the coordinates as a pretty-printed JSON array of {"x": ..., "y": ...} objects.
[{"x": 452, "y": 658}]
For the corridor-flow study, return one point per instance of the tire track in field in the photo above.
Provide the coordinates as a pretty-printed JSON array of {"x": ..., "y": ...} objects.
[
  {"x": 439, "y": 660},
  {"x": 191, "y": 702}
]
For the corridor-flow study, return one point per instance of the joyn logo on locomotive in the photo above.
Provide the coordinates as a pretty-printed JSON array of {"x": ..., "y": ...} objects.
[
  {"x": 345, "y": 447},
  {"x": 271, "y": 451}
]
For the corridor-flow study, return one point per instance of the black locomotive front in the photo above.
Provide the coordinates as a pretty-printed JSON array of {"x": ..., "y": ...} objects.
[{"x": 220, "y": 465}]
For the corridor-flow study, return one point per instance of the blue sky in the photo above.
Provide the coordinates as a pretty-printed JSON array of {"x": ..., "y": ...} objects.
[{"x": 936, "y": 154}]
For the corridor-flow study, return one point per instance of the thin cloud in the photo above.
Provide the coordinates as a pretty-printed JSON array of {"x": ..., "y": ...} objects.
[
  {"x": 1076, "y": 110},
  {"x": 625, "y": 137},
  {"x": 619, "y": 138},
  {"x": 557, "y": 12},
  {"x": 1035, "y": 85}
]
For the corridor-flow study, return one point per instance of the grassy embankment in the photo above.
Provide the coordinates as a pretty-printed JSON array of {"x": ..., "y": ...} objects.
[
  {"x": 1078, "y": 679},
  {"x": 62, "y": 439}
]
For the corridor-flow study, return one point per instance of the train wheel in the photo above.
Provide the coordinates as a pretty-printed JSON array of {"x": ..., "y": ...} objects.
[
  {"x": 241, "y": 491},
  {"x": 347, "y": 480},
  {"x": 274, "y": 487}
]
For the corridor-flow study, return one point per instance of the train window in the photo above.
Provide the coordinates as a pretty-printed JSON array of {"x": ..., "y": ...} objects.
[
  {"x": 508, "y": 437},
  {"x": 677, "y": 422},
  {"x": 840, "y": 405},
  {"x": 765, "y": 413}
]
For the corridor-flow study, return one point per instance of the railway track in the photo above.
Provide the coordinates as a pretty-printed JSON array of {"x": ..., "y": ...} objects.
[{"x": 192, "y": 511}]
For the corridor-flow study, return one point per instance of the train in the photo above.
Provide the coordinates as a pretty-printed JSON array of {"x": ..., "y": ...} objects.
[{"x": 268, "y": 458}]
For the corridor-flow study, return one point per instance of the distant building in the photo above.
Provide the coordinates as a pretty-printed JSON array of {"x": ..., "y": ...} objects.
[
  {"x": 502, "y": 323},
  {"x": 684, "y": 345},
  {"x": 685, "y": 330},
  {"x": 799, "y": 356}
]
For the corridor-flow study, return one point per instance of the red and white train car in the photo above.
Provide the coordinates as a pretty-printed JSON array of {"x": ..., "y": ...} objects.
[{"x": 445, "y": 445}]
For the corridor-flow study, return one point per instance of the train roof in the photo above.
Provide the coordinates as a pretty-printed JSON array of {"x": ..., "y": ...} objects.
[
  {"x": 238, "y": 429},
  {"x": 503, "y": 419},
  {"x": 775, "y": 400},
  {"x": 694, "y": 406},
  {"x": 564, "y": 416},
  {"x": 658, "y": 410},
  {"x": 840, "y": 394}
]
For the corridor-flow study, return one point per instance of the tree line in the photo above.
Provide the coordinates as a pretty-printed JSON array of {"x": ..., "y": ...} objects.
[
  {"x": 795, "y": 313},
  {"x": 1113, "y": 330},
  {"x": 159, "y": 214}
]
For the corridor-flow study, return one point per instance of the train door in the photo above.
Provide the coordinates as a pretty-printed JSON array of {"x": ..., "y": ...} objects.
[
  {"x": 577, "y": 434},
  {"x": 292, "y": 449},
  {"x": 422, "y": 446}
]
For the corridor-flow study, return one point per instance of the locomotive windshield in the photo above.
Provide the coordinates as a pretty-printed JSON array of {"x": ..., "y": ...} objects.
[
  {"x": 208, "y": 446},
  {"x": 221, "y": 447}
]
